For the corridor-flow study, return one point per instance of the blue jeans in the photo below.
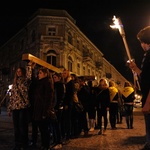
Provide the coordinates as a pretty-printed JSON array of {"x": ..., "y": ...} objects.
[{"x": 147, "y": 125}]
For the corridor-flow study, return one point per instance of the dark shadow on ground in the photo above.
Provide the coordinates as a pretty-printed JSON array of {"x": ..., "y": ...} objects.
[{"x": 133, "y": 140}]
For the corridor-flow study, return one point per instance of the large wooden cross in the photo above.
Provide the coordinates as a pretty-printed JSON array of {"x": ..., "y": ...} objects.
[{"x": 40, "y": 62}]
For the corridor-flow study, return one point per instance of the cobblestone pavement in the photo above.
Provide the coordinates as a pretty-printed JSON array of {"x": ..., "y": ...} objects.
[{"x": 119, "y": 139}]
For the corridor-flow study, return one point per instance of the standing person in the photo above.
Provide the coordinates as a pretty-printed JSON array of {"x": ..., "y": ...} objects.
[
  {"x": 120, "y": 106},
  {"x": 75, "y": 114},
  {"x": 34, "y": 136},
  {"x": 128, "y": 100},
  {"x": 57, "y": 123},
  {"x": 113, "y": 109},
  {"x": 19, "y": 107},
  {"x": 43, "y": 101},
  {"x": 103, "y": 102},
  {"x": 92, "y": 106},
  {"x": 144, "y": 74},
  {"x": 84, "y": 96},
  {"x": 67, "y": 105}
]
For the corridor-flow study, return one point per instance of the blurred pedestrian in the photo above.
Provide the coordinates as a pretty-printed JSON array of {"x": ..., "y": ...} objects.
[{"x": 144, "y": 75}]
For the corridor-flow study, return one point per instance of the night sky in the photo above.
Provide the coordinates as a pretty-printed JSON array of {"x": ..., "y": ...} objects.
[{"x": 93, "y": 18}]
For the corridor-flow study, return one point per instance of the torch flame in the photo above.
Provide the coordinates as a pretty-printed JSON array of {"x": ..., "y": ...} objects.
[{"x": 116, "y": 23}]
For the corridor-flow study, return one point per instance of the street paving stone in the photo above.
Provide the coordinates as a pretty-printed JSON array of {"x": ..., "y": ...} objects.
[{"x": 119, "y": 139}]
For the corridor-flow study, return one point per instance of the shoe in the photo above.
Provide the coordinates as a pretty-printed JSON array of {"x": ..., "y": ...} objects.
[
  {"x": 99, "y": 132},
  {"x": 92, "y": 129},
  {"x": 58, "y": 146},
  {"x": 146, "y": 147}
]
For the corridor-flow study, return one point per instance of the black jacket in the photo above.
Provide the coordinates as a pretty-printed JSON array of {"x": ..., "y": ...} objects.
[{"x": 145, "y": 78}]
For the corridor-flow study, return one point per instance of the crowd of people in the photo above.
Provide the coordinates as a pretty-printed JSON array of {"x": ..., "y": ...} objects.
[
  {"x": 52, "y": 103},
  {"x": 61, "y": 106}
]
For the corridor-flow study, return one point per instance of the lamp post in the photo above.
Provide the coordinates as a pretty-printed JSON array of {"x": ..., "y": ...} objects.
[{"x": 118, "y": 25}]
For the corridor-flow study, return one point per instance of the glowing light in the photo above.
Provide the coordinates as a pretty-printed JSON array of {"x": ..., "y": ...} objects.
[
  {"x": 10, "y": 86},
  {"x": 116, "y": 23}
]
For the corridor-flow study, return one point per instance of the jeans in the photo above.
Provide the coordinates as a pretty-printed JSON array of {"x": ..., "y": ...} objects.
[{"x": 102, "y": 114}]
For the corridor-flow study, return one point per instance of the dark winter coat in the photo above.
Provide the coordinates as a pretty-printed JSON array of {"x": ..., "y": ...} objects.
[{"x": 43, "y": 98}]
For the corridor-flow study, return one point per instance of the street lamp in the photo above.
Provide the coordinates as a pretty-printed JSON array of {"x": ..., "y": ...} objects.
[{"x": 118, "y": 25}]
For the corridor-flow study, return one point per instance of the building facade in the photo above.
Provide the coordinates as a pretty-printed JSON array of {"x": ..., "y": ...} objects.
[{"x": 53, "y": 36}]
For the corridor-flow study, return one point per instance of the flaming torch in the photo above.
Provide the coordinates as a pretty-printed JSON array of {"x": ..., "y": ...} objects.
[{"x": 118, "y": 25}]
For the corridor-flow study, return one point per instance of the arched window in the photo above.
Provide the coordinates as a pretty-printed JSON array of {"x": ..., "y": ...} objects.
[
  {"x": 51, "y": 57},
  {"x": 70, "y": 63}
]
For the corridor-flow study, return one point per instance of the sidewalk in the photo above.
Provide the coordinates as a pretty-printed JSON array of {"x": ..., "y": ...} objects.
[{"x": 120, "y": 139}]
